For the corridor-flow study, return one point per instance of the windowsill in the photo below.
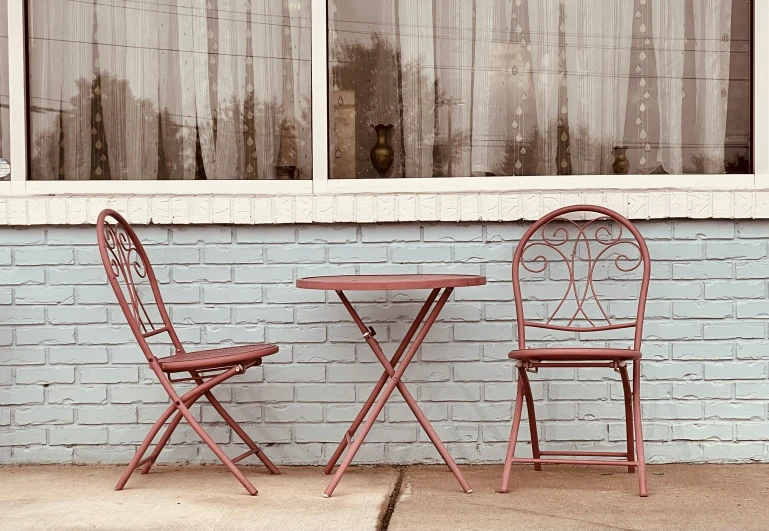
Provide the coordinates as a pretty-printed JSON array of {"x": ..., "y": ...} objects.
[{"x": 394, "y": 200}]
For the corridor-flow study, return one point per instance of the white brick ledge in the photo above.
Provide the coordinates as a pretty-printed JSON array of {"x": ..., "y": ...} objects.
[{"x": 374, "y": 208}]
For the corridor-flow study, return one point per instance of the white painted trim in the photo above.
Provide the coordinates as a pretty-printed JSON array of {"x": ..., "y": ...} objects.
[
  {"x": 17, "y": 91},
  {"x": 378, "y": 208},
  {"x": 320, "y": 105}
]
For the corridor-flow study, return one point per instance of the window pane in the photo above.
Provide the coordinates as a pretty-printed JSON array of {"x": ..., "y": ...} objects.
[
  {"x": 170, "y": 89},
  {"x": 5, "y": 119},
  {"x": 539, "y": 87}
]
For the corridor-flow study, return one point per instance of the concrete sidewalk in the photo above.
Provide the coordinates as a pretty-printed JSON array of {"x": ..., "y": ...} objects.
[{"x": 414, "y": 498}]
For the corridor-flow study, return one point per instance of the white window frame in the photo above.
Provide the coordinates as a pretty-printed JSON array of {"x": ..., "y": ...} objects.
[{"x": 25, "y": 202}]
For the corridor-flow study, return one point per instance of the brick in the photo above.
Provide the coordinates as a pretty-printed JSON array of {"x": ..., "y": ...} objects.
[
  {"x": 735, "y": 411},
  {"x": 293, "y": 413},
  {"x": 109, "y": 375},
  {"x": 664, "y": 251},
  {"x": 22, "y": 437},
  {"x": 703, "y": 230},
  {"x": 702, "y": 310},
  {"x": 402, "y": 413},
  {"x": 483, "y": 332},
  {"x": 262, "y": 274},
  {"x": 735, "y": 290},
  {"x": 266, "y": 234},
  {"x": 749, "y": 270},
  {"x": 201, "y": 315},
  {"x": 735, "y": 250},
  {"x": 106, "y": 415},
  {"x": 673, "y": 371},
  {"x": 690, "y": 431},
  {"x": 324, "y": 393},
  {"x": 484, "y": 372},
  {"x": 46, "y": 295},
  {"x": 758, "y": 350},
  {"x": 421, "y": 254},
  {"x": 390, "y": 232},
  {"x": 652, "y": 431},
  {"x": 450, "y": 392},
  {"x": 79, "y": 394},
  {"x": 19, "y": 396},
  {"x": 752, "y": 390},
  {"x": 5, "y": 256},
  {"x": 104, "y": 335},
  {"x": 736, "y": 330},
  {"x": 324, "y": 353},
  {"x": 58, "y": 315},
  {"x": 263, "y": 393},
  {"x": 577, "y": 431},
  {"x": 725, "y": 452},
  {"x": 295, "y": 373},
  {"x": 43, "y": 256},
  {"x": 41, "y": 335},
  {"x": 43, "y": 415},
  {"x": 484, "y": 413},
  {"x": 17, "y": 276},
  {"x": 77, "y": 435},
  {"x": 702, "y": 350},
  {"x": 45, "y": 375},
  {"x": 71, "y": 236},
  {"x": 174, "y": 255},
  {"x": 702, "y": 391},
  {"x": 23, "y": 236},
  {"x": 752, "y": 432},
  {"x": 736, "y": 371},
  {"x": 357, "y": 254},
  {"x": 671, "y": 410},
  {"x": 441, "y": 232},
  {"x": 451, "y": 352},
  {"x": 243, "y": 334},
  {"x": 577, "y": 391},
  {"x": 239, "y": 254},
  {"x": 753, "y": 309},
  {"x": 231, "y": 295},
  {"x": 660, "y": 330},
  {"x": 78, "y": 355},
  {"x": 310, "y": 334},
  {"x": 23, "y": 316},
  {"x": 201, "y": 235},
  {"x": 201, "y": 274},
  {"x": 327, "y": 234},
  {"x": 304, "y": 254},
  {"x": 70, "y": 276},
  {"x": 702, "y": 270},
  {"x": 43, "y": 455}
]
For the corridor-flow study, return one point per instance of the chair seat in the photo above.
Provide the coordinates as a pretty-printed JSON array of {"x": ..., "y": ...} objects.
[
  {"x": 575, "y": 354},
  {"x": 217, "y": 358}
]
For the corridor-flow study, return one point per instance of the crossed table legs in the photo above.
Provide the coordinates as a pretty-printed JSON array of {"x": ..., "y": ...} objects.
[{"x": 389, "y": 380}]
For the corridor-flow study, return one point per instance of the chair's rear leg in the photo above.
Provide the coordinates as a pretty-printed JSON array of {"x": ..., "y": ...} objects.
[
  {"x": 143, "y": 448},
  {"x": 218, "y": 451},
  {"x": 513, "y": 438},
  {"x": 532, "y": 416},
  {"x": 628, "y": 416},
  {"x": 639, "y": 441},
  {"x": 162, "y": 442},
  {"x": 241, "y": 433}
]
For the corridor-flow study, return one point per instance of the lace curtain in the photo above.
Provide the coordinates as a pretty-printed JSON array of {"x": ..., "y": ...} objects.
[
  {"x": 169, "y": 89},
  {"x": 546, "y": 87}
]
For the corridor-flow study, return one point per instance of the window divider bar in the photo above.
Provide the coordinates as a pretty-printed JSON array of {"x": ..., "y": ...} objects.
[
  {"x": 320, "y": 106},
  {"x": 17, "y": 93}
]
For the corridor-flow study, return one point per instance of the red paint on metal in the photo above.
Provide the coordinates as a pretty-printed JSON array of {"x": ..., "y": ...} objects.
[
  {"x": 126, "y": 264},
  {"x": 385, "y": 282},
  {"x": 606, "y": 239}
]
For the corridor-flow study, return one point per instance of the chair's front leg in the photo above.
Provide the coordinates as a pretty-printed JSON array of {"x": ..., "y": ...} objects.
[
  {"x": 513, "y": 438},
  {"x": 143, "y": 447},
  {"x": 532, "y": 416},
  {"x": 628, "y": 416},
  {"x": 639, "y": 440}
]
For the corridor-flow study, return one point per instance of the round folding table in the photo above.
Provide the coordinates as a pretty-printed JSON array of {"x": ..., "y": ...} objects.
[{"x": 441, "y": 287}]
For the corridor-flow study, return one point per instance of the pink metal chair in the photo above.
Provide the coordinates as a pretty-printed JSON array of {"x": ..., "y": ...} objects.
[
  {"x": 127, "y": 265},
  {"x": 559, "y": 244}
]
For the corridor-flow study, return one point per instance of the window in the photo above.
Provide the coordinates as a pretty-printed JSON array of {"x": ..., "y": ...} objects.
[
  {"x": 539, "y": 87},
  {"x": 169, "y": 89}
]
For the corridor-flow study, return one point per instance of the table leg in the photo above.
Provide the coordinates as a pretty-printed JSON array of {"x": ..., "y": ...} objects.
[
  {"x": 393, "y": 378},
  {"x": 383, "y": 379}
]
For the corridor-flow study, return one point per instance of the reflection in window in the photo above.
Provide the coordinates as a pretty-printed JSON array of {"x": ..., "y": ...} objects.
[
  {"x": 170, "y": 89},
  {"x": 541, "y": 87}
]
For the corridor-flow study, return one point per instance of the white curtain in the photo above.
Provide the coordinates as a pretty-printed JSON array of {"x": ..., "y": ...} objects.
[
  {"x": 415, "y": 23},
  {"x": 544, "y": 18},
  {"x": 712, "y": 29},
  {"x": 173, "y": 97},
  {"x": 669, "y": 23},
  {"x": 598, "y": 46}
]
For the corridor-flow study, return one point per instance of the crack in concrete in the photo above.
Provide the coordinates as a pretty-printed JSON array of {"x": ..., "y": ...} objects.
[{"x": 394, "y": 495}]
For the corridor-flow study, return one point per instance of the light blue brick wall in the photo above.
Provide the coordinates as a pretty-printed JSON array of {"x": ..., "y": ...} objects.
[{"x": 73, "y": 387}]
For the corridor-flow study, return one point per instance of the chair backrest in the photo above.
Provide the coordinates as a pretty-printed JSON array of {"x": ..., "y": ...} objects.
[
  {"x": 130, "y": 273},
  {"x": 596, "y": 239}
]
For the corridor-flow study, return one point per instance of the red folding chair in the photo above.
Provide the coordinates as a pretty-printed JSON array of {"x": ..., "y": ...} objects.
[
  {"x": 604, "y": 244},
  {"x": 127, "y": 266}
]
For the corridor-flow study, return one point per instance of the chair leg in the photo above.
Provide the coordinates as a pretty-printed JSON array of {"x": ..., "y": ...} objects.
[
  {"x": 513, "y": 438},
  {"x": 162, "y": 443},
  {"x": 241, "y": 433},
  {"x": 143, "y": 447},
  {"x": 218, "y": 451},
  {"x": 628, "y": 417},
  {"x": 532, "y": 416},
  {"x": 639, "y": 441}
]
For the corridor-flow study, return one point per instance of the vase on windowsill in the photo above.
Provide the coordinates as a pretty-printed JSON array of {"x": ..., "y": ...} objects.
[
  {"x": 382, "y": 154},
  {"x": 621, "y": 164},
  {"x": 286, "y": 167}
]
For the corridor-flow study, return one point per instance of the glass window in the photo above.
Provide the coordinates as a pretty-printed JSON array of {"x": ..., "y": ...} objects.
[
  {"x": 539, "y": 87},
  {"x": 170, "y": 89}
]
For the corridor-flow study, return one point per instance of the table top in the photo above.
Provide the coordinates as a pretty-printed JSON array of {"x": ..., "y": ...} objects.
[{"x": 386, "y": 282}]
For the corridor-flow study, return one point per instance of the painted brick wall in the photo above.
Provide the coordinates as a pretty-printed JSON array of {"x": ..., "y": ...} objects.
[{"x": 73, "y": 387}]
